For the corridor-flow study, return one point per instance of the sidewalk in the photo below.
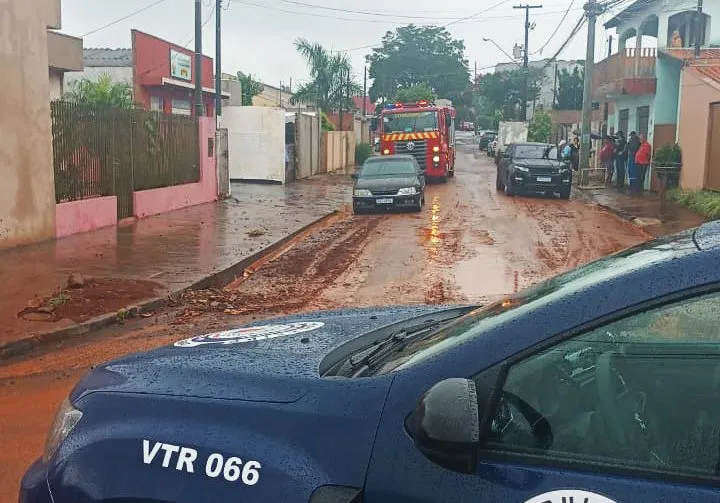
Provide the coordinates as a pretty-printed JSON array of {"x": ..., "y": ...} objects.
[
  {"x": 173, "y": 250},
  {"x": 643, "y": 210}
]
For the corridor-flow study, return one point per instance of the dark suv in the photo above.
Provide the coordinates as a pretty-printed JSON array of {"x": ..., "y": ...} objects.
[
  {"x": 485, "y": 138},
  {"x": 533, "y": 167}
]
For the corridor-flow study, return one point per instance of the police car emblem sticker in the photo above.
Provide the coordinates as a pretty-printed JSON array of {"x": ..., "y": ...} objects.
[
  {"x": 250, "y": 334},
  {"x": 569, "y": 496}
]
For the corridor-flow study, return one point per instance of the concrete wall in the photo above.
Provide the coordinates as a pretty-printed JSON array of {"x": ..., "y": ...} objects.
[
  {"x": 156, "y": 201},
  {"x": 668, "y": 90},
  {"x": 256, "y": 143},
  {"x": 338, "y": 151},
  {"x": 27, "y": 192},
  {"x": 693, "y": 127},
  {"x": 86, "y": 215},
  {"x": 55, "y": 84},
  {"x": 307, "y": 145}
]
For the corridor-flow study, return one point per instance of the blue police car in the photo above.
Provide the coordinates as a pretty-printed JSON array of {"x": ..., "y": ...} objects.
[{"x": 600, "y": 385}]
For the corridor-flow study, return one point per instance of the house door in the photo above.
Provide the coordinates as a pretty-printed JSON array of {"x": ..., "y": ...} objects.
[
  {"x": 713, "y": 160},
  {"x": 643, "y": 120}
]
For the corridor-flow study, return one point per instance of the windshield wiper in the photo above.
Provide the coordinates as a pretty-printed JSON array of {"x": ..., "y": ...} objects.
[{"x": 396, "y": 340}]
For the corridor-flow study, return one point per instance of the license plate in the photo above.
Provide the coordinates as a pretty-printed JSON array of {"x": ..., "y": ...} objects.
[
  {"x": 384, "y": 200},
  {"x": 546, "y": 179}
]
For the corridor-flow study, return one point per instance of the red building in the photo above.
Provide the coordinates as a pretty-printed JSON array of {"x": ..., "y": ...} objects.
[{"x": 164, "y": 76}]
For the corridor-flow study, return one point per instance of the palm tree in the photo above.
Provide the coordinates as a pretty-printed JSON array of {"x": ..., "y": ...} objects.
[
  {"x": 250, "y": 88},
  {"x": 330, "y": 73},
  {"x": 103, "y": 91}
]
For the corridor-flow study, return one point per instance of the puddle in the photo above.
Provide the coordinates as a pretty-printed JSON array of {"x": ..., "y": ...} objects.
[{"x": 487, "y": 275}]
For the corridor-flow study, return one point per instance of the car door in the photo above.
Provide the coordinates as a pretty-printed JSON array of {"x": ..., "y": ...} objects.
[{"x": 626, "y": 412}]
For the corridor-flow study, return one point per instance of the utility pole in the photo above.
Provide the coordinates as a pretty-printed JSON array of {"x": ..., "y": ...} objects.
[
  {"x": 365, "y": 93},
  {"x": 698, "y": 27},
  {"x": 592, "y": 11},
  {"x": 218, "y": 62},
  {"x": 198, "y": 60},
  {"x": 347, "y": 91},
  {"x": 526, "y": 55}
]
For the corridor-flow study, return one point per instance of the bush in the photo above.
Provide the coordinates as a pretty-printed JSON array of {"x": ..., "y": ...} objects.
[
  {"x": 669, "y": 155},
  {"x": 362, "y": 153},
  {"x": 326, "y": 124},
  {"x": 705, "y": 202}
]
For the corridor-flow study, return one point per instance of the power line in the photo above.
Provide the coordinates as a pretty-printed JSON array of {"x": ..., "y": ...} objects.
[
  {"x": 557, "y": 29},
  {"x": 119, "y": 20},
  {"x": 394, "y": 22}
]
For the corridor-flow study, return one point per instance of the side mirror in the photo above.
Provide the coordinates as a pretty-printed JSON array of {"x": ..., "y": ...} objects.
[
  {"x": 355, "y": 175},
  {"x": 445, "y": 425}
]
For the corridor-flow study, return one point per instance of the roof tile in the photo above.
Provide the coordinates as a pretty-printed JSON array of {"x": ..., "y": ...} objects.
[{"x": 104, "y": 57}]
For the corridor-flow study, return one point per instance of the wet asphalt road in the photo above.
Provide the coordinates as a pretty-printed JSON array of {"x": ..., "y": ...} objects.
[{"x": 469, "y": 244}]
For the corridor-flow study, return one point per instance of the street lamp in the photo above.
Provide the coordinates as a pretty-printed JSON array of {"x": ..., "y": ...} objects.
[{"x": 485, "y": 39}]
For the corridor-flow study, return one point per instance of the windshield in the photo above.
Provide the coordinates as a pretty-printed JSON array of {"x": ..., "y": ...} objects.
[
  {"x": 410, "y": 122},
  {"x": 531, "y": 151},
  {"x": 476, "y": 323},
  {"x": 388, "y": 168}
]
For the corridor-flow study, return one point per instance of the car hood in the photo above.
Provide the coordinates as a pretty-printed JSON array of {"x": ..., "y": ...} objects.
[
  {"x": 274, "y": 360},
  {"x": 538, "y": 163},
  {"x": 387, "y": 183}
]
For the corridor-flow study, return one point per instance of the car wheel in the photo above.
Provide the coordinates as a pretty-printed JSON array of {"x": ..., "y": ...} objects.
[
  {"x": 565, "y": 193},
  {"x": 509, "y": 189},
  {"x": 418, "y": 206},
  {"x": 499, "y": 185}
]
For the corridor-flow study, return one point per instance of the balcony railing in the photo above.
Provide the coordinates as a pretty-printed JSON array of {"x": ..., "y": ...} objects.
[{"x": 628, "y": 64}]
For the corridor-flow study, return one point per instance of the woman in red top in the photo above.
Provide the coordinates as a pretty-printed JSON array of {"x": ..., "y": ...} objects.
[
  {"x": 607, "y": 158},
  {"x": 642, "y": 160}
]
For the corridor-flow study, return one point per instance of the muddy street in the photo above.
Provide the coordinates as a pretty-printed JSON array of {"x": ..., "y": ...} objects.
[{"x": 470, "y": 244}]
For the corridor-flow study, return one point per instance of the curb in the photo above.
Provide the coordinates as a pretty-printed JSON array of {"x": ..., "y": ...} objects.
[
  {"x": 623, "y": 215},
  {"x": 218, "y": 279}
]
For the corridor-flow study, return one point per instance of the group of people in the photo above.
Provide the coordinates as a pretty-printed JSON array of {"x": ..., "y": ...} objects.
[{"x": 623, "y": 157}]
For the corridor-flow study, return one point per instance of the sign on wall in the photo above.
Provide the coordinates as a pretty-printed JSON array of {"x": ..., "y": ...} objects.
[{"x": 180, "y": 65}]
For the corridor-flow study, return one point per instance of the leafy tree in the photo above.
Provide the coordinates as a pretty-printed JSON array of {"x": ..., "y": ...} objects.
[
  {"x": 330, "y": 72},
  {"x": 326, "y": 123},
  {"x": 101, "y": 92},
  {"x": 503, "y": 92},
  {"x": 570, "y": 89},
  {"x": 540, "y": 127},
  {"x": 418, "y": 92},
  {"x": 419, "y": 55},
  {"x": 249, "y": 88}
]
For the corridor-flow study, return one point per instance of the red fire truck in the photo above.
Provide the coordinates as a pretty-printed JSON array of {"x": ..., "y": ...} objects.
[{"x": 424, "y": 130}]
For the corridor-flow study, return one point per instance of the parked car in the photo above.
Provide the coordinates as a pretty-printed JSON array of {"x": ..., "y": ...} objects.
[
  {"x": 600, "y": 385},
  {"x": 389, "y": 181},
  {"x": 533, "y": 167},
  {"x": 485, "y": 138}
]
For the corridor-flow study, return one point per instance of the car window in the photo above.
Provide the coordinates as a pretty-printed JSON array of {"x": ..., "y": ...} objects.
[
  {"x": 639, "y": 393},
  {"x": 530, "y": 151},
  {"x": 388, "y": 168}
]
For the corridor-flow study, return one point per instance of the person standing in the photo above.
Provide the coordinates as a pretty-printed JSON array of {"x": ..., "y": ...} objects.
[
  {"x": 642, "y": 160},
  {"x": 575, "y": 153},
  {"x": 621, "y": 158},
  {"x": 632, "y": 147},
  {"x": 607, "y": 158}
]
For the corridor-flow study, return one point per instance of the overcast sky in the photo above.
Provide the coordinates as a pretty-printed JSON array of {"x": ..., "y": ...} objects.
[{"x": 258, "y": 34}]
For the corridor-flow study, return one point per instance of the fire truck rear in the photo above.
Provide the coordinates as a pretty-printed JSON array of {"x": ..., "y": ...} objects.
[{"x": 425, "y": 131}]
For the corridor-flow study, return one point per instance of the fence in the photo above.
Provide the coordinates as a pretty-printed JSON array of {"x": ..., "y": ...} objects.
[
  {"x": 337, "y": 151},
  {"x": 100, "y": 151}
]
